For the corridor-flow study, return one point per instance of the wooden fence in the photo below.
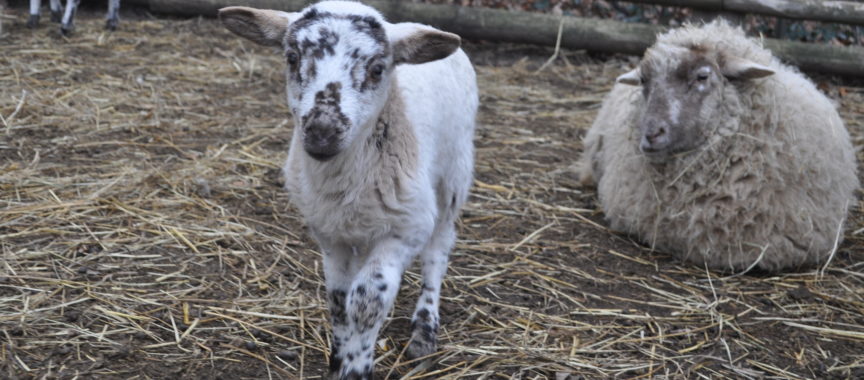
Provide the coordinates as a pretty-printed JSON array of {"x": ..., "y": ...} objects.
[
  {"x": 844, "y": 12},
  {"x": 542, "y": 29}
]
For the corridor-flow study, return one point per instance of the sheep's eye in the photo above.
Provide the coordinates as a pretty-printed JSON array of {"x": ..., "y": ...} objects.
[
  {"x": 702, "y": 77},
  {"x": 377, "y": 71},
  {"x": 292, "y": 58}
]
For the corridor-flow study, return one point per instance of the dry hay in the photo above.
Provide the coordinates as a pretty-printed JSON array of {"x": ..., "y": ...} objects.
[{"x": 144, "y": 233}]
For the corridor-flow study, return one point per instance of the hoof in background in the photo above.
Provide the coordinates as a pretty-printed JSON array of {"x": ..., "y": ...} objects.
[{"x": 33, "y": 21}]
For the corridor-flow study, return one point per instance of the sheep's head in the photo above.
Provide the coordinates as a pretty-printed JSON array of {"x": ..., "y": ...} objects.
[
  {"x": 341, "y": 56},
  {"x": 684, "y": 90}
]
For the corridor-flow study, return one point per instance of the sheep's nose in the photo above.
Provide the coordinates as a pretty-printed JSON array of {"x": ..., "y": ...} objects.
[{"x": 654, "y": 139}]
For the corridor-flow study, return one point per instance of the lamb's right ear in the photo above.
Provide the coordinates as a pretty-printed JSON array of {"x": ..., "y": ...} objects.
[
  {"x": 262, "y": 26},
  {"x": 632, "y": 78}
]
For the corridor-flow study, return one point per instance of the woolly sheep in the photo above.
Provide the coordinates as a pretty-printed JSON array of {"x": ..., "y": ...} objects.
[
  {"x": 380, "y": 161},
  {"x": 66, "y": 17},
  {"x": 715, "y": 151}
]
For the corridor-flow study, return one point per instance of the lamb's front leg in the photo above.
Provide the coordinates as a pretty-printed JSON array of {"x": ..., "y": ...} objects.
[
  {"x": 340, "y": 268},
  {"x": 369, "y": 300},
  {"x": 425, "y": 322}
]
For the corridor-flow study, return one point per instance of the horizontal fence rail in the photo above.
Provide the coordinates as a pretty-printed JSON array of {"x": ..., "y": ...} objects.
[
  {"x": 541, "y": 29},
  {"x": 844, "y": 12}
]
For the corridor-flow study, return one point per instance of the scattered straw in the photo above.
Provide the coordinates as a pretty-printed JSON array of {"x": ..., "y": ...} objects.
[{"x": 144, "y": 232}]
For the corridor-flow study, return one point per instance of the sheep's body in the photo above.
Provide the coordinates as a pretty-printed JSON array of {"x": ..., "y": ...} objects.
[
  {"x": 381, "y": 159},
  {"x": 769, "y": 188},
  {"x": 66, "y": 16}
]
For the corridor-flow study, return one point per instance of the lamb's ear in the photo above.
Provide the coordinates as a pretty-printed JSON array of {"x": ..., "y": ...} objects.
[
  {"x": 739, "y": 68},
  {"x": 262, "y": 26},
  {"x": 416, "y": 43},
  {"x": 632, "y": 78}
]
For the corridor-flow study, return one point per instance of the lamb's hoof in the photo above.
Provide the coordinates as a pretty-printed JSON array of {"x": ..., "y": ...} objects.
[
  {"x": 33, "y": 21},
  {"x": 424, "y": 338},
  {"x": 111, "y": 25},
  {"x": 67, "y": 30},
  {"x": 56, "y": 16},
  {"x": 419, "y": 349}
]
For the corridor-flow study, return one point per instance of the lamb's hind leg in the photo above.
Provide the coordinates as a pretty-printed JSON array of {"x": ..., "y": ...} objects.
[
  {"x": 370, "y": 299},
  {"x": 425, "y": 322},
  {"x": 113, "y": 14}
]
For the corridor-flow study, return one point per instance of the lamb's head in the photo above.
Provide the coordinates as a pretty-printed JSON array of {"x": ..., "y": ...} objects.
[
  {"x": 686, "y": 93},
  {"x": 341, "y": 56}
]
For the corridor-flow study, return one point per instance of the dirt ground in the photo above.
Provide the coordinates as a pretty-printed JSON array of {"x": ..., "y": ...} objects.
[{"x": 144, "y": 233}]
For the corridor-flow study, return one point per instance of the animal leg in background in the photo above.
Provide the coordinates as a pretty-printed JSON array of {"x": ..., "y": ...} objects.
[
  {"x": 33, "y": 21},
  {"x": 68, "y": 24},
  {"x": 56, "y": 10},
  {"x": 113, "y": 14}
]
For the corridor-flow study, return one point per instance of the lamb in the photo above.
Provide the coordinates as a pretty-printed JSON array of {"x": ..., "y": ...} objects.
[
  {"x": 380, "y": 162},
  {"x": 713, "y": 150},
  {"x": 66, "y": 18}
]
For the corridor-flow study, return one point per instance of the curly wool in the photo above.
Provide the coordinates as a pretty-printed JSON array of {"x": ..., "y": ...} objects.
[{"x": 770, "y": 188}]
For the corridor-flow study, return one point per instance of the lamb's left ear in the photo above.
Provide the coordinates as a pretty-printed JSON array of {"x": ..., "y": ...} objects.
[
  {"x": 416, "y": 43},
  {"x": 739, "y": 68},
  {"x": 263, "y": 26}
]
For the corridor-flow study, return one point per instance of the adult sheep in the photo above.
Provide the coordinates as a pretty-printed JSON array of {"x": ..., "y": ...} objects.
[
  {"x": 713, "y": 150},
  {"x": 380, "y": 161}
]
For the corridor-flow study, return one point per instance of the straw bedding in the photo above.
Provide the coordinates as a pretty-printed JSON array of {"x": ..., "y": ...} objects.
[{"x": 144, "y": 233}]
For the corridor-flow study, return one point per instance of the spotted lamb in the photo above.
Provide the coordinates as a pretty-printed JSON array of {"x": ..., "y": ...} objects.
[
  {"x": 380, "y": 162},
  {"x": 715, "y": 151}
]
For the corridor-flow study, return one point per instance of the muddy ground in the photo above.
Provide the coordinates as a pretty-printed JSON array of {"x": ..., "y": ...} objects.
[{"x": 144, "y": 233}]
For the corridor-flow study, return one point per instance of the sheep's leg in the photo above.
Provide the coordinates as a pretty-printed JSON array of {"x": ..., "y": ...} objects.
[
  {"x": 113, "y": 14},
  {"x": 56, "y": 10},
  {"x": 425, "y": 322},
  {"x": 33, "y": 21},
  {"x": 369, "y": 300},
  {"x": 68, "y": 24},
  {"x": 339, "y": 271}
]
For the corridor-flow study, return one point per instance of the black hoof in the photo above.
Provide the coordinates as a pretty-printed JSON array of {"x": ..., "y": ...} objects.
[
  {"x": 67, "y": 30},
  {"x": 56, "y": 16},
  {"x": 33, "y": 21},
  {"x": 111, "y": 25}
]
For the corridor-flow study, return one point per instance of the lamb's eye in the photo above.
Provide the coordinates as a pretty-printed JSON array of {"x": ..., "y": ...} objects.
[
  {"x": 376, "y": 71},
  {"x": 292, "y": 58},
  {"x": 702, "y": 77}
]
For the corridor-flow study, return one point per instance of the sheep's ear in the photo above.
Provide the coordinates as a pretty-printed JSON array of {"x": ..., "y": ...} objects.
[
  {"x": 739, "y": 68},
  {"x": 415, "y": 43},
  {"x": 632, "y": 78},
  {"x": 262, "y": 26}
]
